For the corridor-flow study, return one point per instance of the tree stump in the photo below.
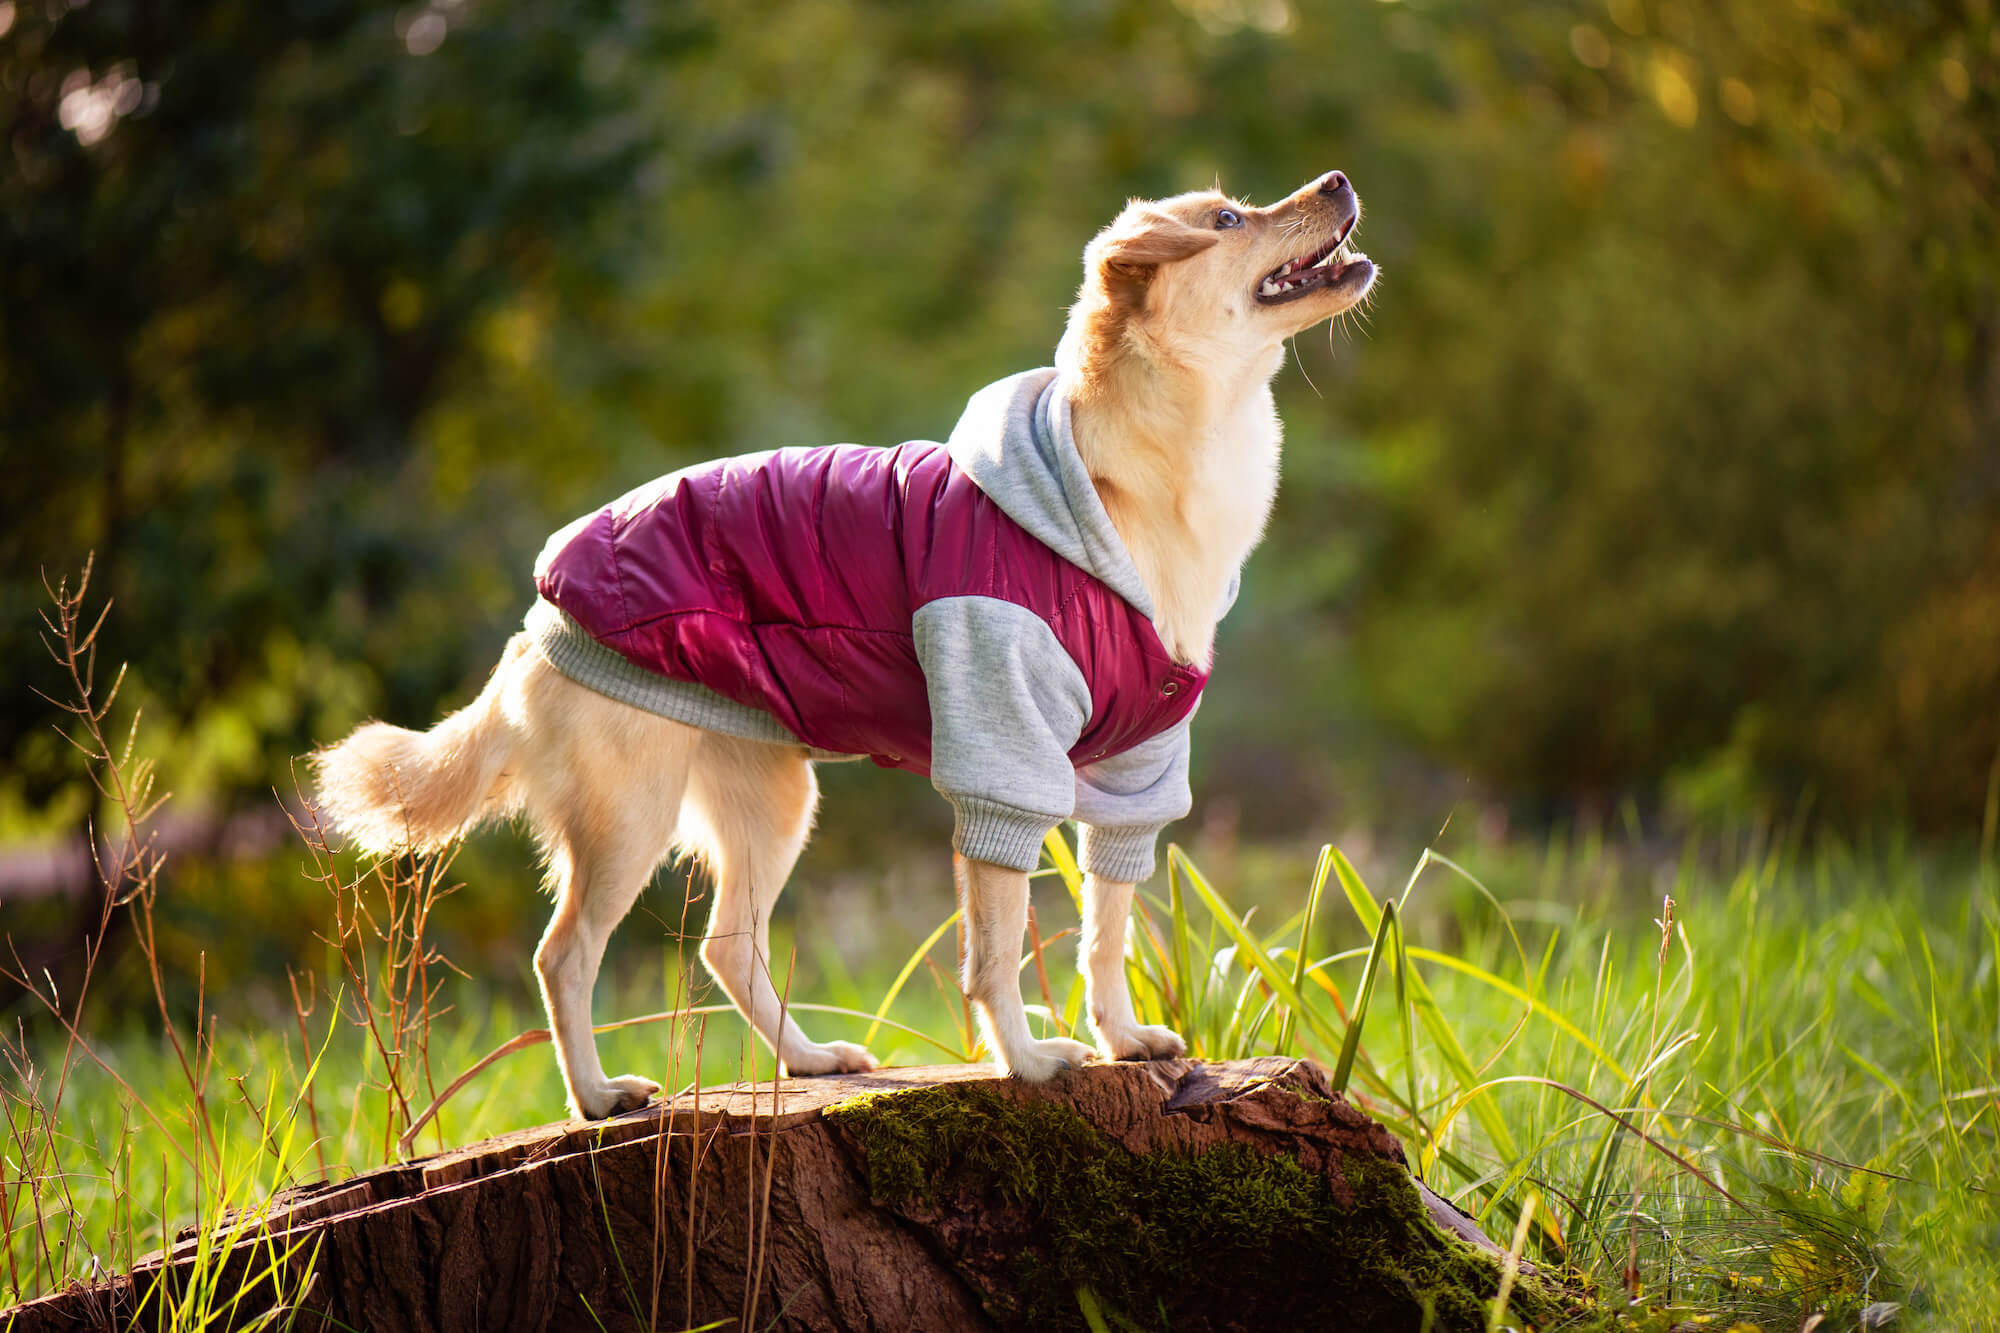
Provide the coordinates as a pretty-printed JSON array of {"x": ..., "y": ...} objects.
[{"x": 1170, "y": 1195}]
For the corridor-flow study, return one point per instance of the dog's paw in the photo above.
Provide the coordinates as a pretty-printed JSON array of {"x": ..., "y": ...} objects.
[
  {"x": 835, "y": 1057},
  {"x": 1138, "y": 1041},
  {"x": 615, "y": 1096},
  {"x": 1043, "y": 1060}
]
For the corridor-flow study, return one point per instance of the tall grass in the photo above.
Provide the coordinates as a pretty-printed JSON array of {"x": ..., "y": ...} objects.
[
  {"x": 59, "y": 1159},
  {"x": 1779, "y": 1099},
  {"x": 1794, "y": 1113}
]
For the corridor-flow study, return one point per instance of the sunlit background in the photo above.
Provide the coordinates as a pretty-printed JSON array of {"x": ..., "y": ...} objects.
[{"x": 1659, "y": 490}]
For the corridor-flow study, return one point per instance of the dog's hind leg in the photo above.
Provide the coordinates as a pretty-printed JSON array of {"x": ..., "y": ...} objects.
[
  {"x": 603, "y": 783},
  {"x": 749, "y": 810},
  {"x": 596, "y": 886}
]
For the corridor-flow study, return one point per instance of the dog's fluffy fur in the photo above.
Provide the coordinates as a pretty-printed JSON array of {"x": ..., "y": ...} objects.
[{"x": 1167, "y": 363}]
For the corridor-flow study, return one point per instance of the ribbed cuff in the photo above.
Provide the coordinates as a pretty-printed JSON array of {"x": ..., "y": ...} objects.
[
  {"x": 1121, "y": 854},
  {"x": 1001, "y": 834}
]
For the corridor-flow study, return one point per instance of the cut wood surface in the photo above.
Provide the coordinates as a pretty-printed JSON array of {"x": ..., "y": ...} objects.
[{"x": 1172, "y": 1194}]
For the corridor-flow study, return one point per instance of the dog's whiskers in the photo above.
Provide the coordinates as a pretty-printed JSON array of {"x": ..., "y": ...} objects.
[
  {"x": 1294, "y": 342},
  {"x": 1366, "y": 308}
]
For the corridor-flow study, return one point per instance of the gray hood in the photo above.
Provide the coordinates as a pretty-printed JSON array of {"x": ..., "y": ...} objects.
[{"x": 1014, "y": 442}]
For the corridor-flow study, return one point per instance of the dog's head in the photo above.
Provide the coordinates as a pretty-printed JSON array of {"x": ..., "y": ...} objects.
[{"x": 1206, "y": 277}]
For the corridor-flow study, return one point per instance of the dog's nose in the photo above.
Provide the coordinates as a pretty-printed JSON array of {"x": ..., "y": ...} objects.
[{"x": 1334, "y": 182}]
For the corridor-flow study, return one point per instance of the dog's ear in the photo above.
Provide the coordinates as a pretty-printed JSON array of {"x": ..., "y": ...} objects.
[{"x": 1130, "y": 251}]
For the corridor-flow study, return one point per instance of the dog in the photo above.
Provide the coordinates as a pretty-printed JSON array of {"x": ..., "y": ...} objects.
[{"x": 1024, "y": 613}]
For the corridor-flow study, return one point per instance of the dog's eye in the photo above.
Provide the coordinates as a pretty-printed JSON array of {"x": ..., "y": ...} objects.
[{"x": 1227, "y": 217}]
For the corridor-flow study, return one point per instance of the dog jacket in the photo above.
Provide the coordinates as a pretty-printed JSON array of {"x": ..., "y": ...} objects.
[{"x": 964, "y": 610}]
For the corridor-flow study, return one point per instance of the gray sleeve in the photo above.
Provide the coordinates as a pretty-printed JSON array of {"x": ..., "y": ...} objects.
[
  {"x": 1007, "y": 704},
  {"x": 1123, "y": 802}
]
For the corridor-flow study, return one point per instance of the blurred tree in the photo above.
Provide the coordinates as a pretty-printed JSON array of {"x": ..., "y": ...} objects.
[
  {"x": 1686, "y": 452},
  {"x": 244, "y": 248}
]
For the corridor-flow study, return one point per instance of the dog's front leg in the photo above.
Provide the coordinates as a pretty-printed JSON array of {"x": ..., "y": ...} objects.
[
  {"x": 995, "y": 900},
  {"x": 1107, "y": 914}
]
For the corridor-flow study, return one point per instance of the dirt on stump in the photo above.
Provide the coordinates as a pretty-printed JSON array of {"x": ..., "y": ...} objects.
[{"x": 1166, "y": 1195}]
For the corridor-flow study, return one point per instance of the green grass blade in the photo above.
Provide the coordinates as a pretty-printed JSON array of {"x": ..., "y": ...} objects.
[
  {"x": 1248, "y": 948},
  {"x": 877, "y": 1021},
  {"x": 1320, "y": 874},
  {"x": 1182, "y": 980},
  {"x": 1093, "y": 1317},
  {"x": 1351, "y": 1042},
  {"x": 910, "y": 966},
  {"x": 1449, "y": 1049},
  {"x": 1404, "y": 1017},
  {"x": 1513, "y": 992},
  {"x": 1064, "y": 860}
]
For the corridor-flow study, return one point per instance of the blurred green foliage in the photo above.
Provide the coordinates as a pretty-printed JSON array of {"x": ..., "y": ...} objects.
[
  {"x": 1686, "y": 460},
  {"x": 250, "y": 250},
  {"x": 1668, "y": 462}
]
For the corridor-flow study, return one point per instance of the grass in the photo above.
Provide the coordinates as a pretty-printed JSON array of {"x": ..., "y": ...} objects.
[
  {"x": 1813, "y": 1060},
  {"x": 1778, "y": 1099}
]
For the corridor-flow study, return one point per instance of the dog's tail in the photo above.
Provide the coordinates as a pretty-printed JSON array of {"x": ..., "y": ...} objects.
[{"x": 391, "y": 790}]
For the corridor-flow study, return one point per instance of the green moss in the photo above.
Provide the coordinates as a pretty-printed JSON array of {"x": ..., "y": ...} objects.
[{"x": 1165, "y": 1239}]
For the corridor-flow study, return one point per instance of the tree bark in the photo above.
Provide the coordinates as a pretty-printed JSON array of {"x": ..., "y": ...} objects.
[{"x": 1176, "y": 1194}]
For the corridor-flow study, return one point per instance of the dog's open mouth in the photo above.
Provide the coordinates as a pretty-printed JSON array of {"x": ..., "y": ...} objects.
[{"x": 1308, "y": 273}]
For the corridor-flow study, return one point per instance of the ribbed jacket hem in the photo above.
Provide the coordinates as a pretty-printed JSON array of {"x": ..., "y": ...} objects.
[
  {"x": 570, "y": 650},
  {"x": 1124, "y": 855},
  {"x": 1001, "y": 834}
]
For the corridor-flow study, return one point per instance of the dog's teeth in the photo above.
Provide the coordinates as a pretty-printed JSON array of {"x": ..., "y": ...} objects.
[{"x": 1268, "y": 289}]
